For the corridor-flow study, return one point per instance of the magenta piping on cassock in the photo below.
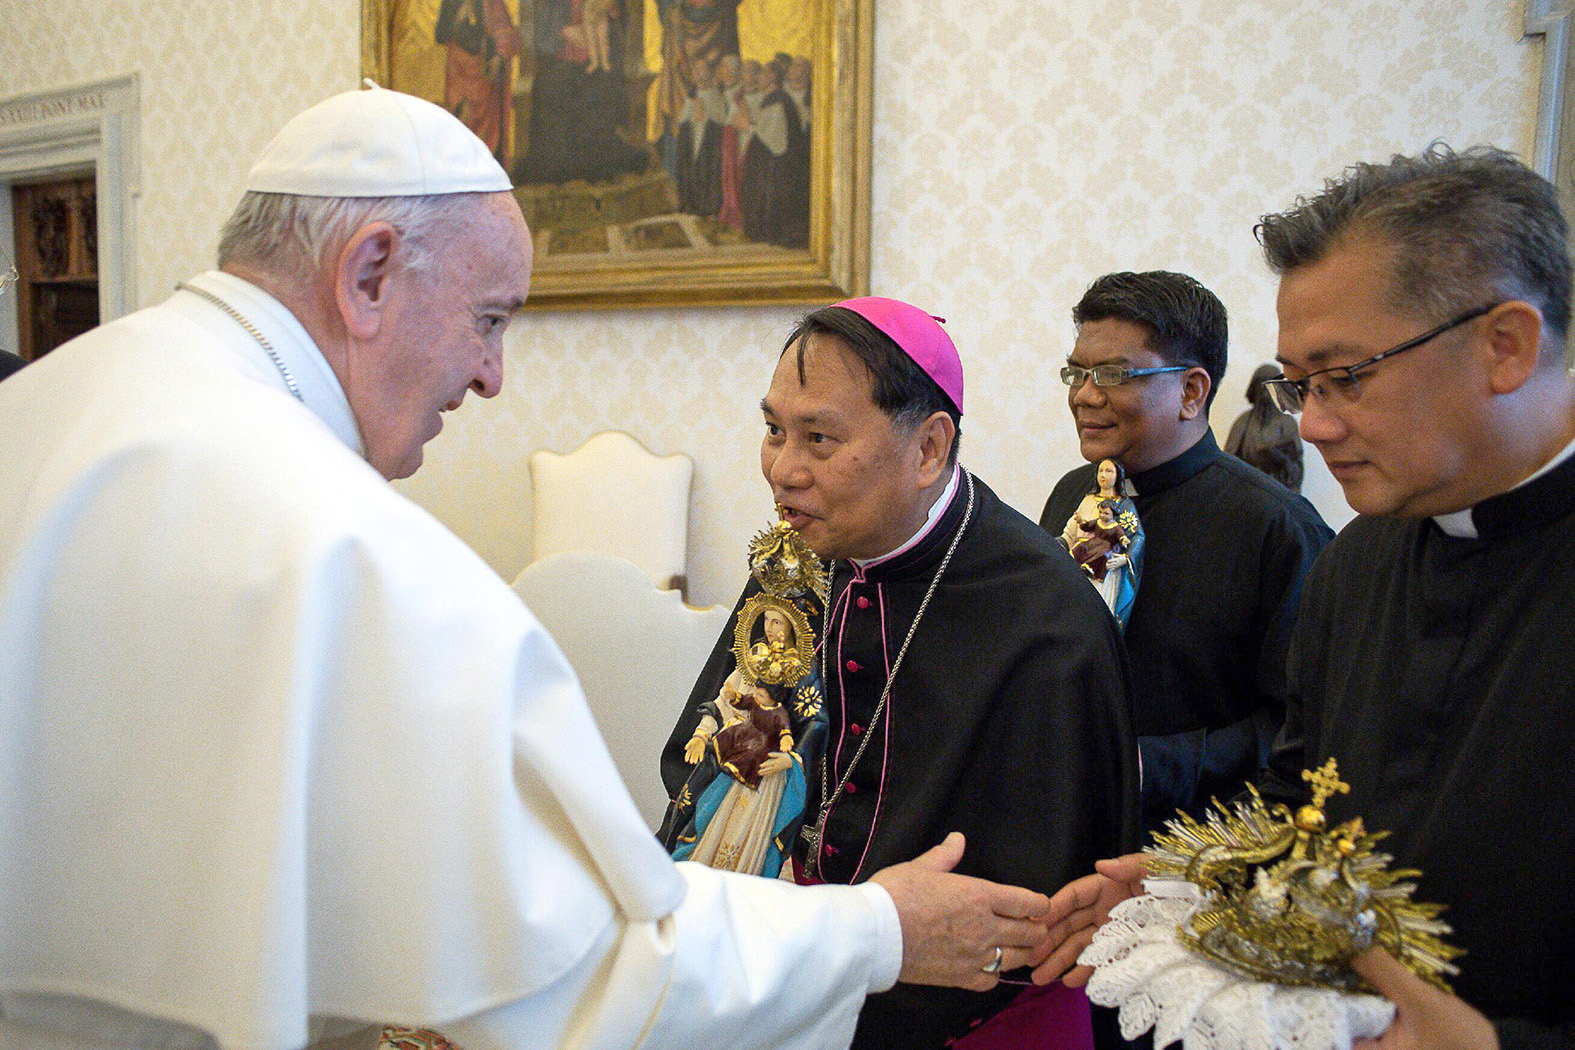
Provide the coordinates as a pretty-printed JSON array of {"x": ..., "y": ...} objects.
[
  {"x": 842, "y": 699},
  {"x": 885, "y": 755},
  {"x": 842, "y": 691},
  {"x": 933, "y": 517}
]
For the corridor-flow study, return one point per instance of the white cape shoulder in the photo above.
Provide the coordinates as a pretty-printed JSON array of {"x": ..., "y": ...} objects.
[{"x": 250, "y": 713}]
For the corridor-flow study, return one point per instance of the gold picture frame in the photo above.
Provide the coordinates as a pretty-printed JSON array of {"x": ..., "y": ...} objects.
[
  {"x": 759, "y": 660},
  {"x": 613, "y": 230}
]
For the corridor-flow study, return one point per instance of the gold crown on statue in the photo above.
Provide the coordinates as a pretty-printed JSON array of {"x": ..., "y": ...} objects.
[
  {"x": 792, "y": 579},
  {"x": 1289, "y": 900},
  {"x": 785, "y": 565}
]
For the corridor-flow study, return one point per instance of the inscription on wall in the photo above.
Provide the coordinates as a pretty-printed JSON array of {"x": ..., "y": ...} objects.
[{"x": 34, "y": 111}]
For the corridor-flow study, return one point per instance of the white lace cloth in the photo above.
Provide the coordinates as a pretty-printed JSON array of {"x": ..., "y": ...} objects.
[{"x": 1143, "y": 968}]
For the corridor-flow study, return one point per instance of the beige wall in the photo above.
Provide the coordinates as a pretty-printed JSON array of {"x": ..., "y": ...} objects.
[{"x": 1022, "y": 148}]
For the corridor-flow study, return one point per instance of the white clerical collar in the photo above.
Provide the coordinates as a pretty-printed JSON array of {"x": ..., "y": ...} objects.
[
  {"x": 1459, "y": 523},
  {"x": 320, "y": 389},
  {"x": 937, "y": 508}
]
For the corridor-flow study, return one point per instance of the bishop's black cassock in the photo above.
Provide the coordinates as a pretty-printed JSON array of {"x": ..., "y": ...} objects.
[
  {"x": 1226, "y": 548},
  {"x": 1440, "y": 673},
  {"x": 1008, "y": 721}
]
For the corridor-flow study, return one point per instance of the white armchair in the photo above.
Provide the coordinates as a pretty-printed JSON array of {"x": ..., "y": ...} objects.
[
  {"x": 614, "y": 495},
  {"x": 637, "y": 652}
]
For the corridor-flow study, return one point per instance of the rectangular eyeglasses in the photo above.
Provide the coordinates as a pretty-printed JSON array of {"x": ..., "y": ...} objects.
[
  {"x": 1339, "y": 385},
  {"x": 1075, "y": 376}
]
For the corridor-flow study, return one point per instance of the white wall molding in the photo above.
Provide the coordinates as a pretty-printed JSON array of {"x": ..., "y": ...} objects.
[
  {"x": 91, "y": 126},
  {"x": 1550, "y": 19}
]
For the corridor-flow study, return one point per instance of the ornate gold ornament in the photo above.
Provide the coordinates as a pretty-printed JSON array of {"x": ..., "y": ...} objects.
[
  {"x": 1289, "y": 900},
  {"x": 785, "y": 565},
  {"x": 769, "y": 660},
  {"x": 773, "y": 641}
]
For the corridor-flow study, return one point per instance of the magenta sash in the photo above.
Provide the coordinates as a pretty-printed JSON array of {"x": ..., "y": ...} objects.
[{"x": 1053, "y": 1017}]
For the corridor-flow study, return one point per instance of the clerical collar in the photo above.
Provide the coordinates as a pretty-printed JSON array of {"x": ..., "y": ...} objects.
[
  {"x": 319, "y": 387},
  {"x": 1462, "y": 524},
  {"x": 937, "y": 508},
  {"x": 1174, "y": 471}
]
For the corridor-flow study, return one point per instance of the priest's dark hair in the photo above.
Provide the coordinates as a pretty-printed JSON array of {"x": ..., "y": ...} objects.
[
  {"x": 1464, "y": 228},
  {"x": 900, "y": 388},
  {"x": 1258, "y": 395},
  {"x": 1185, "y": 321}
]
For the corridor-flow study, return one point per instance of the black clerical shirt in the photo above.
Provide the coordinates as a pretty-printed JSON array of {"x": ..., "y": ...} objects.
[
  {"x": 1226, "y": 549},
  {"x": 1008, "y": 721},
  {"x": 1440, "y": 673}
]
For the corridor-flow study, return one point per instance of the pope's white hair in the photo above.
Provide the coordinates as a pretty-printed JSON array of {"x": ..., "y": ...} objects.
[{"x": 278, "y": 232}]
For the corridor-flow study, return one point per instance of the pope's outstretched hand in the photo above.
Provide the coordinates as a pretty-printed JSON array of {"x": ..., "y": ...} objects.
[
  {"x": 952, "y": 924},
  {"x": 1081, "y": 907}
]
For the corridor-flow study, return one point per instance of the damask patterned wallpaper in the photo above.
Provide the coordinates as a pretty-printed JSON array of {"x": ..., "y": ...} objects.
[{"x": 1023, "y": 147}]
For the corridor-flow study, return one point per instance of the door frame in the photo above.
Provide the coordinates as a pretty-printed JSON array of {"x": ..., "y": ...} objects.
[{"x": 63, "y": 131}]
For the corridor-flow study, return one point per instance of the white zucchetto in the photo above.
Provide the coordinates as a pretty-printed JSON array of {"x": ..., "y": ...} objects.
[{"x": 376, "y": 143}]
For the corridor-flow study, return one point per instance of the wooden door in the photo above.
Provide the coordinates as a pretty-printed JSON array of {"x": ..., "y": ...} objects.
[{"x": 56, "y": 227}]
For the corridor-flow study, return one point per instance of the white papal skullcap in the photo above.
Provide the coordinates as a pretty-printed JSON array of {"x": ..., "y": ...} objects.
[{"x": 376, "y": 143}]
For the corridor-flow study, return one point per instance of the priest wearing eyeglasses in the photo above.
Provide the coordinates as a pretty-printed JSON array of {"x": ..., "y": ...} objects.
[
  {"x": 1225, "y": 546},
  {"x": 1424, "y": 311}
]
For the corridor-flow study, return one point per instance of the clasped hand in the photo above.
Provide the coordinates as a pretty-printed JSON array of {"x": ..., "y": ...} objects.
[
  {"x": 952, "y": 924},
  {"x": 1078, "y": 909}
]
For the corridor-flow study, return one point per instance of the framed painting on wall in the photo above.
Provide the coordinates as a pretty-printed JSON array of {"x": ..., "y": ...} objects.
[{"x": 664, "y": 152}]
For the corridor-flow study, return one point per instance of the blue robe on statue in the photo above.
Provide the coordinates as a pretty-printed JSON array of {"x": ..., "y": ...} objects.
[{"x": 716, "y": 787}]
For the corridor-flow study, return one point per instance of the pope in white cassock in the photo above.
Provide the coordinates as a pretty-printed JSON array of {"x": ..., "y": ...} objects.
[{"x": 280, "y": 756}]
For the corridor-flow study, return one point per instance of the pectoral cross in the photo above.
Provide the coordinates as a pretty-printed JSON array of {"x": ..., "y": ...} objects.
[{"x": 813, "y": 837}]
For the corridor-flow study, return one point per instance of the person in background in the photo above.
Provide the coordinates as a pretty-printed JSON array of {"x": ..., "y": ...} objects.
[
  {"x": 1225, "y": 547},
  {"x": 1266, "y": 437}
]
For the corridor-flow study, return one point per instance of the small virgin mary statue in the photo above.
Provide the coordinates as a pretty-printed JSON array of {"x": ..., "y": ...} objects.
[
  {"x": 743, "y": 803},
  {"x": 1106, "y": 539}
]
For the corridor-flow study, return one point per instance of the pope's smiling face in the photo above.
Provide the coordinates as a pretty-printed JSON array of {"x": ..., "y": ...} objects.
[
  {"x": 441, "y": 334},
  {"x": 853, "y": 483}
]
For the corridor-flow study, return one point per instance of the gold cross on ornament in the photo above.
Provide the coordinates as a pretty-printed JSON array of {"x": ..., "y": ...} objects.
[{"x": 1325, "y": 782}]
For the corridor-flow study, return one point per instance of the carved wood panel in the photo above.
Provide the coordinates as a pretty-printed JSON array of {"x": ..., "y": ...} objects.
[{"x": 56, "y": 227}]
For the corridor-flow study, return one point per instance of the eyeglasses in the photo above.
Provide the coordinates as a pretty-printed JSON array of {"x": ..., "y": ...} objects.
[
  {"x": 1339, "y": 385},
  {"x": 1110, "y": 375}
]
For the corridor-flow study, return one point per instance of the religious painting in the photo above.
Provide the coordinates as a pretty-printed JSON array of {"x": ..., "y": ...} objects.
[{"x": 664, "y": 152}]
